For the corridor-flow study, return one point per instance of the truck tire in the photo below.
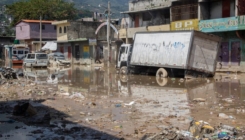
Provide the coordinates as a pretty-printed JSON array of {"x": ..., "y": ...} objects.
[
  {"x": 123, "y": 70},
  {"x": 161, "y": 72},
  {"x": 161, "y": 81}
]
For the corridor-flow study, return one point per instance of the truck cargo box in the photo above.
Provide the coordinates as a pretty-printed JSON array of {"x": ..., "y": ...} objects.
[
  {"x": 181, "y": 49},
  {"x": 190, "y": 51}
]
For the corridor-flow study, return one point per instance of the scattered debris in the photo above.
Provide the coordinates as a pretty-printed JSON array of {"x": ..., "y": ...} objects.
[{"x": 199, "y": 100}]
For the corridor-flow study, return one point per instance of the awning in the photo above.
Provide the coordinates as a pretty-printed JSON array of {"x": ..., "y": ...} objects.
[{"x": 50, "y": 46}]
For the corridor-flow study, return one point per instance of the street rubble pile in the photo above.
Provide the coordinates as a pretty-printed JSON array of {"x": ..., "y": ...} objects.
[{"x": 58, "y": 114}]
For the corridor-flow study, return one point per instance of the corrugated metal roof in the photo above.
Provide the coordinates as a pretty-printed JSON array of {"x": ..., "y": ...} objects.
[{"x": 34, "y": 21}]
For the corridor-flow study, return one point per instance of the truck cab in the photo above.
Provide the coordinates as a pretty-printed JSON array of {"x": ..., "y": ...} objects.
[{"x": 124, "y": 57}]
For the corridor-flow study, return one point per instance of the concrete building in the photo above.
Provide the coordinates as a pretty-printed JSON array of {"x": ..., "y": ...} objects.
[
  {"x": 28, "y": 31},
  {"x": 145, "y": 15},
  {"x": 225, "y": 18},
  {"x": 79, "y": 42}
]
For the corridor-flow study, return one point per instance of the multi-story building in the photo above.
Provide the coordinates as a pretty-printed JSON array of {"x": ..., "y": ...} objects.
[
  {"x": 146, "y": 15},
  {"x": 28, "y": 31},
  {"x": 225, "y": 18}
]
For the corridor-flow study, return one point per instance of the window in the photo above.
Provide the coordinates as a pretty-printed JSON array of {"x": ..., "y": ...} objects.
[
  {"x": 14, "y": 52},
  {"x": 26, "y": 52},
  {"x": 146, "y": 16},
  {"x": 20, "y": 27},
  {"x": 43, "y": 27},
  {"x": 42, "y": 56},
  {"x": 65, "y": 29},
  {"x": 60, "y": 30},
  {"x": 31, "y": 56},
  {"x": 55, "y": 27},
  {"x": 20, "y": 52}
]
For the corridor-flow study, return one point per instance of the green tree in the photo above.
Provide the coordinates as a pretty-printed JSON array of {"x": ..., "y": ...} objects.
[{"x": 48, "y": 9}]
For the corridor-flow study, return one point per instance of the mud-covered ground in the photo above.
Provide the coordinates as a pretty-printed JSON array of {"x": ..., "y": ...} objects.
[{"x": 87, "y": 103}]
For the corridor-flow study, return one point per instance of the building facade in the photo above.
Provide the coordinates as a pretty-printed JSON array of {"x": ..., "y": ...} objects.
[
  {"x": 224, "y": 18},
  {"x": 81, "y": 41},
  {"x": 28, "y": 31}
]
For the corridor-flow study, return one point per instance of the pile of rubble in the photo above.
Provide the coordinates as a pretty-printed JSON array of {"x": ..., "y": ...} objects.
[
  {"x": 200, "y": 130},
  {"x": 7, "y": 73}
]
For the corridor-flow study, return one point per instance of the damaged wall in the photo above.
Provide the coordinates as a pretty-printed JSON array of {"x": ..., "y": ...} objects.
[{"x": 81, "y": 29}]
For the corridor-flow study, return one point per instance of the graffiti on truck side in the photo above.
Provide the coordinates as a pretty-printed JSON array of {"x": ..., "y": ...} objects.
[{"x": 156, "y": 52}]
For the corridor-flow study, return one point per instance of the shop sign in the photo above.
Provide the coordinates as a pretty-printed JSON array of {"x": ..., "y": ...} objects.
[
  {"x": 241, "y": 22},
  {"x": 218, "y": 25},
  {"x": 185, "y": 25},
  {"x": 92, "y": 42}
]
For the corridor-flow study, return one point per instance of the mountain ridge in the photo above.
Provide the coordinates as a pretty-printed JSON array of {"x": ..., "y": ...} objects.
[{"x": 99, "y": 6}]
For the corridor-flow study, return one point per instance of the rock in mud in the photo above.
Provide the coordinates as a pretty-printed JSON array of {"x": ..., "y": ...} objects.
[{"x": 25, "y": 109}]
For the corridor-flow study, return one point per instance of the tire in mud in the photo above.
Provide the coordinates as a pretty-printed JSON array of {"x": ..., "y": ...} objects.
[{"x": 161, "y": 72}]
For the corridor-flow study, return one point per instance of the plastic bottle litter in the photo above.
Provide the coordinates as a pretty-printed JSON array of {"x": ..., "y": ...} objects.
[
  {"x": 223, "y": 115},
  {"x": 131, "y": 103},
  {"x": 185, "y": 134},
  {"x": 227, "y": 127},
  {"x": 223, "y": 135},
  {"x": 118, "y": 105}
]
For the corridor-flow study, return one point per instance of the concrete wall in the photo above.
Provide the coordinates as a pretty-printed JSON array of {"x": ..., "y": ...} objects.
[
  {"x": 216, "y": 10},
  {"x": 148, "y": 4},
  {"x": 22, "y": 31},
  {"x": 66, "y": 49},
  {"x": 62, "y": 36},
  {"x": 79, "y": 56},
  {"x": 79, "y": 29},
  {"x": 132, "y": 31}
]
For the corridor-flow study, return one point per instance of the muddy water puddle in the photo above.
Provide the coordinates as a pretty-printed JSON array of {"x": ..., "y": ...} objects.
[{"x": 125, "y": 106}]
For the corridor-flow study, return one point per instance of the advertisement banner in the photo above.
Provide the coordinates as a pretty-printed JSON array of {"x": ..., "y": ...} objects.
[
  {"x": 185, "y": 25},
  {"x": 219, "y": 25}
]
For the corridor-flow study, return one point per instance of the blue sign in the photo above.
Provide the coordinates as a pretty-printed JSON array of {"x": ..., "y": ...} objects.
[{"x": 219, "y": 25}]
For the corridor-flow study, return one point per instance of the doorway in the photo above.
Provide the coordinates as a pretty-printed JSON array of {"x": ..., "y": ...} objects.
[
  {"x": 224, "y": 54},
  {"x": 137, "y": 21},
  {"x": 77, "y": 52},
  {"x": 235, "y": 53}
]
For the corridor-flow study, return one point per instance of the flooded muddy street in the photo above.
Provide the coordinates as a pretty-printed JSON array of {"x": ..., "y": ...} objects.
[{"x": 87, "y": 103}]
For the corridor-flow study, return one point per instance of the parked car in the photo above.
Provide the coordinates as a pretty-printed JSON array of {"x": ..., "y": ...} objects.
[
  {"x": 36, "y": 60},
  {"x": 59, "y": 59}
]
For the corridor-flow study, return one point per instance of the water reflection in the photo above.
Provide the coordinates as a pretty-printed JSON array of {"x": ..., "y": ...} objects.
[
  {"x": 153, "y": 97},
  {"x": 96, "y": 81}
]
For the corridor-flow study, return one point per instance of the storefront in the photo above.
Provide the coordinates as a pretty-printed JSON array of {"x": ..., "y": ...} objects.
[{"x": 232, "y": 45}]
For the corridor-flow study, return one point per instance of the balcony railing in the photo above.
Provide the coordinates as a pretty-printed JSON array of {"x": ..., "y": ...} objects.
[{"x": 184, "y": 12}]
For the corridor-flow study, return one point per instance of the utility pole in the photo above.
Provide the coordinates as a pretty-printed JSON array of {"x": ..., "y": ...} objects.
[
  {"x": 40, "y": 32},
  {"x": 108, "y": 43},
  {"x": 108, "y": 32}
]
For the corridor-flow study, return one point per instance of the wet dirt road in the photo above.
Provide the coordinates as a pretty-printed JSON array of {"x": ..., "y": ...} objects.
[{"x": 86, "y": 103}]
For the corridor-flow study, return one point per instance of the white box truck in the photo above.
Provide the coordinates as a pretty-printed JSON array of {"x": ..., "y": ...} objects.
[{"x": 174, "y": 53}]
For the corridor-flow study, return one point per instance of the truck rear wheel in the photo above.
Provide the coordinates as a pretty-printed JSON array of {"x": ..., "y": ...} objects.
[
  {"x": 123, "y": 70},
  {"x": 161, "y": 72}
]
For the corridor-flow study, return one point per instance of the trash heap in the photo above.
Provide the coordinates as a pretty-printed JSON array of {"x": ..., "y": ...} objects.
[
  {"x": 7, "y": 73},
  {"x": 200, "y": 130}
]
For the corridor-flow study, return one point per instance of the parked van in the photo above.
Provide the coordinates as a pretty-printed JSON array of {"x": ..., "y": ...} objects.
[{"x": 36, "y": 60}]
